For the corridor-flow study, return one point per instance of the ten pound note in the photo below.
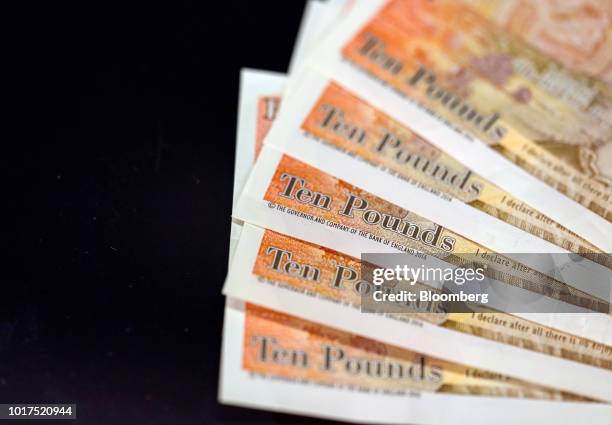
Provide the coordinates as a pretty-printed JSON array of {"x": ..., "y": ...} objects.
[
  {"x": 323, "y": 115},
  {"x": 281, "y": 362},
  {"x": 459, "y": 80},
  {"x": 274, "y": 361}
]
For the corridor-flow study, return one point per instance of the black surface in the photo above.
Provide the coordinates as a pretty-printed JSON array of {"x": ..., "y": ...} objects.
[{"x": 120, "y": 144}]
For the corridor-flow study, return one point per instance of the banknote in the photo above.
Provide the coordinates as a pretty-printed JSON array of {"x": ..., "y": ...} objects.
[
  {"x": 361, "y": 145},
  {"x": 343, "y": 121},
  {"x": 248, "y": 372},
  {"x": 278, "y": 362},
  {"x": 260, "y": 93},
  {"x": 576, "y": 33},
  {"x": 440, "y": 64},
  {"x": 316, "y": 283},
  {"x": 291, "y": 197},
  {"x": 496, "y": 73},
  {"x": 284, "y": 346},
  {"x": 333, "y": 97}
]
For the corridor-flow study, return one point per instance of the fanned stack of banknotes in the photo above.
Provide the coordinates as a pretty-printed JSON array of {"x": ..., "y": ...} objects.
[{"x": 438, "y": 127}]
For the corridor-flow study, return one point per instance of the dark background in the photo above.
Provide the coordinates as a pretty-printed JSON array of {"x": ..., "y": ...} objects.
[{"x": 120, "y": 146}]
